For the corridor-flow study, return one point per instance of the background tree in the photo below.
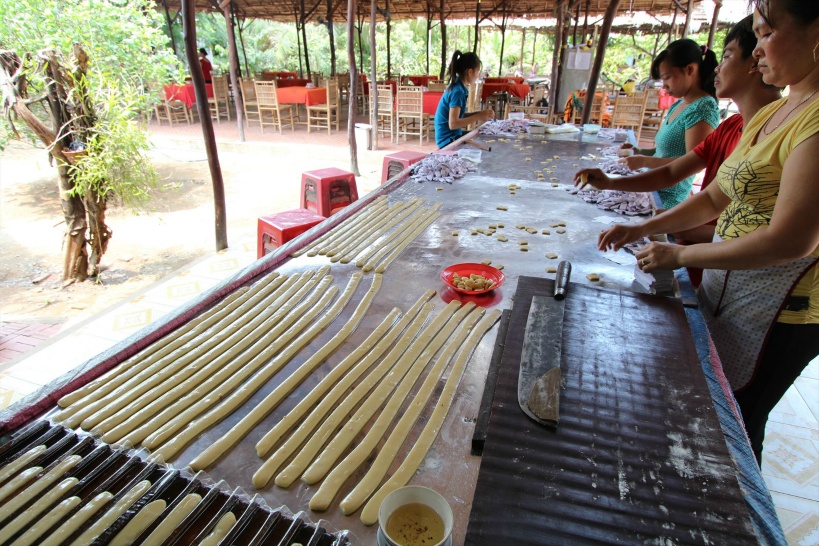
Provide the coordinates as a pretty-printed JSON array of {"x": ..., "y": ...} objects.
[{"x": 77, "y": 75}]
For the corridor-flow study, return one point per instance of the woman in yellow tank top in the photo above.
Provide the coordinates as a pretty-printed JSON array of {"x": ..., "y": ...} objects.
[{"x": 760, "y": 290}]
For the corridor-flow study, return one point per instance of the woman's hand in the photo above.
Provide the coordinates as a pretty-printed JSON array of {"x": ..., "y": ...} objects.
[
  {"x": 656, "y": 256},
  {"x": 619, "y": 235},
  {"x": 635, "y": 162},
  {"x": 627, "y": 146},
  {"x": 487, "y": 114},
  {"x": 594, "y": 178}
]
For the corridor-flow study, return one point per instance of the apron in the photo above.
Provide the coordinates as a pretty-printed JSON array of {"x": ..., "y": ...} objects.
[{"x": 740, "y": 307}]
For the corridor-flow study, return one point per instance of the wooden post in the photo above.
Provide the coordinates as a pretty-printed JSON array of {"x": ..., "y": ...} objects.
[
  {"x": 373, "y": 78},
  {"x": 522, "y": 45},
  {"x": 332, "y": 36},
  {"x": 553, "y": 106},
  {"x": 169, "y": 22},
  {"x": 608, "y": 19},
  {"x": 244, "y": 52},
  {"x": 304, "y": 38},
  {"x": 298, "y": 41},
  {"x": 714, "y": 22},
  {"x": 687, "y": 25},
  {"x": 234, "y": 79},
  {"x": 477, "y": 26},
  {"x": 351, "y": 10},
  {"x": 442, "y": 71},
  {"x": 388, "y": 19},
  {"x": 189, "y": 33},
  {"x": 429, "y": 29},
  {"x": 503, "y": 39},
  {"x": 534, "y": 48},
  {"x": 586, "y": 20},
  {"x": 576, "y": 20},
  {"x": 671, "y": 29}
]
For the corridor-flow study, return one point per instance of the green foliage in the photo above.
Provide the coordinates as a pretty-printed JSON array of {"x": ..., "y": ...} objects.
[{"x": 128, "y": 65}]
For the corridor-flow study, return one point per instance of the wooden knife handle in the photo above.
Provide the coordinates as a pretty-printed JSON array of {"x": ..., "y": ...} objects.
[{"x": 564, "y": 271}]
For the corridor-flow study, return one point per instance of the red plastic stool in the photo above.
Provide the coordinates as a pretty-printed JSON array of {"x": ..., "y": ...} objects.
[
  {"x": 397, "y": 162},
  {"x": 326, "y": 191},
  {"x": 277, "y": 229}
]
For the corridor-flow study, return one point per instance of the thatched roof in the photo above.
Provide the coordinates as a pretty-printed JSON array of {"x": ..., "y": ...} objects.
[{"x": 317, "y": 10}]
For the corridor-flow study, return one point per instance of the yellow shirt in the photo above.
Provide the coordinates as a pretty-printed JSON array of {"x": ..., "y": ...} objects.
[{"x": 751, "y": 175}]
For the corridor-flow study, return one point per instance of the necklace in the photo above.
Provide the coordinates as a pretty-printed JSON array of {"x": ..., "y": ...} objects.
[{"x": 765, "y": 127}]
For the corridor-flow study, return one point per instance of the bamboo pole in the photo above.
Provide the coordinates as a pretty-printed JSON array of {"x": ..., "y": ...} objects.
[
  {"x": 714, "y": 22},
  {"x": 234, "y": 66}
]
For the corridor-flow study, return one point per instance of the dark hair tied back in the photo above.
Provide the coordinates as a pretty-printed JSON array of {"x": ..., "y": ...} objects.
[
  {"x": 461, "y": 62},
  {"x": 681, "y": 53}
]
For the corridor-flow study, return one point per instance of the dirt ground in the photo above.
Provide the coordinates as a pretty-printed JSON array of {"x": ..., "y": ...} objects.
[{"x": 176, "y": 228}]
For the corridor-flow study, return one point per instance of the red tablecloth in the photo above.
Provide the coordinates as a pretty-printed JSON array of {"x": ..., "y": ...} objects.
[
  {"x": 519, "y": 90},
  {"x": 421, "y": 80},
  {"x": 185, "y": 93},
  {"x": 504, "y": 79},
  {"x": 292, "y": 82},
  {"x": 431, "y": 100},
  {"x": 302, "y": 95}
]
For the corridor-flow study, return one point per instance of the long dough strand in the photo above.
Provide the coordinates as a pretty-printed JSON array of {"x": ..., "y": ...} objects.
[
  {"x": 159, "y": 348},
  {"x": 256, "y": 382},
  {"x": 325, "y": 494},
  {"x": 217, "y": 397},
  {"x": 365, "y": 223},
  {"x": 46, "y": 522},
  {"x": 213, "y": 372},
  {"x": 348, "y": 370},
  {"x": 169, "y": 366},
  {"x": 38, "y": 486},
  {"x": 354, "y": 245},
  {"x": 413, "y": 460},
  {"x": 400, "y": 379},
  {"x": 78, "y": 519},
  {"x": 328, "y": 405},
  {"x": 18, "y": 481},
  {"x": 20, "y": 463},
  {"x": 195, "y": 346},
  {"x": 40, "y": 505},
  {"x": 220, "y": 530},
  {"x": 346, "y": 224},
  {"x": 395, "y": 239},
  {"x": 141, "y": 521},
  {"x": 109, "y": 517},
  {"x": 172, "y": 520},
  {"x": 343, "y": 242},
  {"x": 382, "y": 267},
  {"x": 272, "y": 400},
  {"x": 386, "y": 241}
]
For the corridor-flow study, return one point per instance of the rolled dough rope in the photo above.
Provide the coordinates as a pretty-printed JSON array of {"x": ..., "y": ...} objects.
[
  {"x": 348, "y": 371},
  {"x": 346, "y": 224},
  {"x": 403, "y": 376},
  {"x": 330, "y": 406},
  {"x": 218, "y": 448},
  {"x": 78, "y": 519},
  {"x": 46, "y": 522},
  {"x": 40, "y": 505},
  {"x": 376, "y": 249},
  {"x": 217, "y": 397},
  {"x": 108, "y": 518},
  {"x": 397, "y": 236},
  {"x": 141, "y": 521},
  {"x": 220, "y": 531},
  {"x": 172, "y": 520},
  {"x": 366, "y": 238},
  {"x": 364, "y": 225},
  {"x": 371, "y": 238},
  {"x": 363, "y": 218},
  {"x": 221, "y": 361},
  {"x": 382, "y": 267},
  {"x": 413, "y": 460},
  {"x": 20, "y": 462},
  {"x": 285, "y": 316},
  {"x": 375, "y": 220},
  {"x": 123, "y": 370},
  {"x": 246, "y": 390},
  {"x": 325, "y": 494},
  {"x": 38, "y": 486},
  {"x": 165, "y": 366},
  {"x": 264, "y": 474},
  {"x": 18, "y": 481}
]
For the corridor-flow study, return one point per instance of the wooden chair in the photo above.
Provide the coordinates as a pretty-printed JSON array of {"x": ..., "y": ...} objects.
[
  {"x": 251, "y": 106},
  {"x": 629, "y": 112},
  {"x": 268, "y": 105},
  {"x": 385, "y": 111},
  {"x": 596, "y": 110},
  {"x": 219, "y": 102},
  {"x": 409, "y": 108},
  {"x": 172, "y": 111},
  {"x": 322, "y": 115},
  {"x": 362, "y": 99},
  {"x": 344, "y": 86},
  {"x": 532, "y": 110},
  {"x": 436, "y": 85},
  {"x": 653, "y": 115}
]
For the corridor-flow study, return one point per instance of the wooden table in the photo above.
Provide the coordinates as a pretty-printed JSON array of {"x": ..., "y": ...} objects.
[
  {"x": 505, "y": 79},
  {"x": 186, "y": 93},
  {"x": 302, "y": 95},
  {"x": 292, "y": 82},
  {"x": 422, "y": 80}
]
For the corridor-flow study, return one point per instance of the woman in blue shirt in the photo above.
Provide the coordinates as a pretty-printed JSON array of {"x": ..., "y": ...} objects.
[
  {"x": 687, "y": 72},
  {"x": 451, "y": 116}
]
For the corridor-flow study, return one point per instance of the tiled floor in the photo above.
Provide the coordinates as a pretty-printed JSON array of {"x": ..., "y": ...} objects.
[{"x": 791, "y": 458}]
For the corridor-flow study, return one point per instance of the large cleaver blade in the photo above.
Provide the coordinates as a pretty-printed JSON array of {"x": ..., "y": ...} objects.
[{"x": 539, "y": 379}]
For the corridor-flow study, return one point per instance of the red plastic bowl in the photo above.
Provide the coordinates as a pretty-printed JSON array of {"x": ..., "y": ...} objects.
[{"x": 467, "y": 269}]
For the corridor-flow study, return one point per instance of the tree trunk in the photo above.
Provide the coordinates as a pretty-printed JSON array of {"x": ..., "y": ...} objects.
[
  {"x": 353, "y": 98},
  {"x": 443, "y": 43},
  {"x": 331, "y": 34}
]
